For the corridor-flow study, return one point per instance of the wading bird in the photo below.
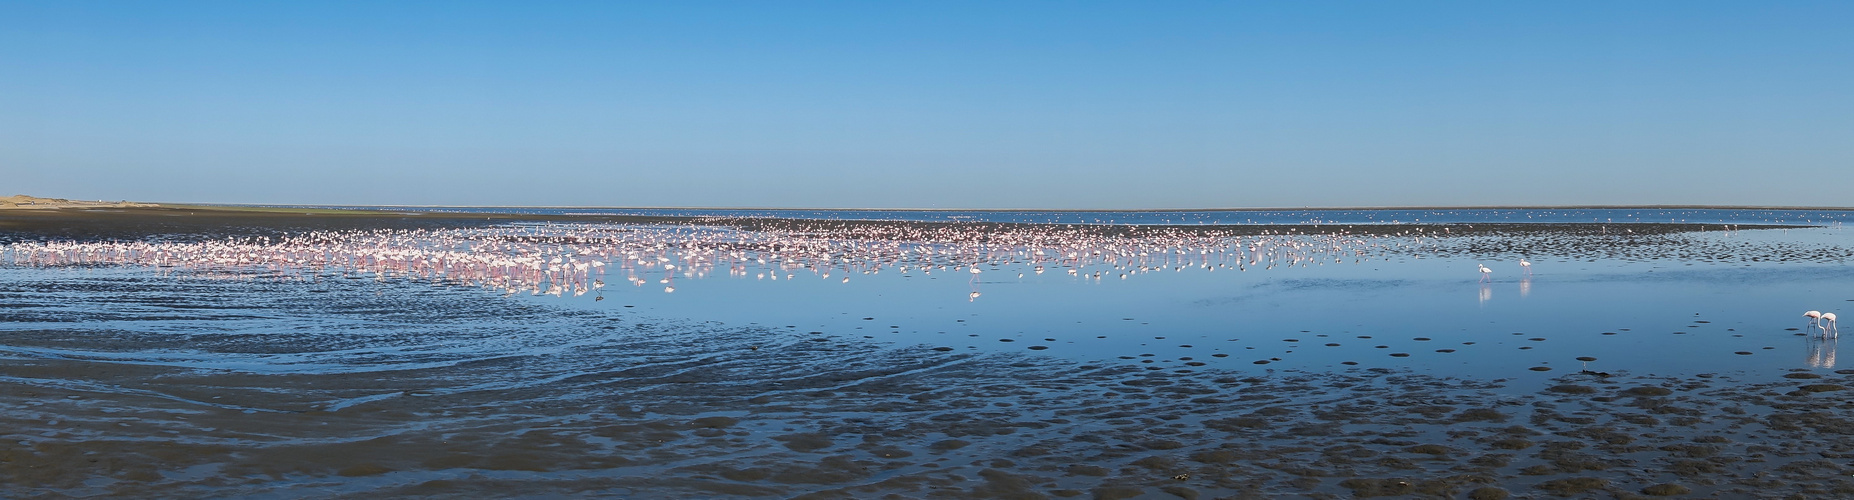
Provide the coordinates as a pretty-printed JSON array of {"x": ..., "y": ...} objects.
[
  {"x": 556, "y": 259},
  {"x": 1486, "y": 274}
]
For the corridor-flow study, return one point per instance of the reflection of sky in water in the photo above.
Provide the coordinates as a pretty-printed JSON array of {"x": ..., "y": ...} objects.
[
  {"x": 1670, "y": 313},
  {"x": 1667, "y": 316}
]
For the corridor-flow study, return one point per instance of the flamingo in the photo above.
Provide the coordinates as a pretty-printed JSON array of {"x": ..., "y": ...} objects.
[
  {"x": 1486, "y": 274},
  {"x": 1525, "y": 266},
  {"x": 516, "y": 259},
  {"x": 1815, "y": 319},
  {"x": 1828, "y": 326}
]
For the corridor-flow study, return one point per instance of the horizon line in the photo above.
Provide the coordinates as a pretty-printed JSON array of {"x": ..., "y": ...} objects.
[{"x": 1100, "y": 210}]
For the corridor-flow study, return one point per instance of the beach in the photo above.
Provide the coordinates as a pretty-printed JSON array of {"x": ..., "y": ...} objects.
[
  {"x": 1286, "y": 381},
  {"x": 926, "y": 250}
]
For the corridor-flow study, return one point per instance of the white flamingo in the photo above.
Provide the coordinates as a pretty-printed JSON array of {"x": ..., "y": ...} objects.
[
  {"x": 1815, "y": 319},
  {"x": 1486, "y": 274},
  {"x": 1525, "y": 266}
]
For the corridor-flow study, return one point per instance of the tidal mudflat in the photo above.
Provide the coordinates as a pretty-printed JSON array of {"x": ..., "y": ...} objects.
[{"x": 258, "y": 355}]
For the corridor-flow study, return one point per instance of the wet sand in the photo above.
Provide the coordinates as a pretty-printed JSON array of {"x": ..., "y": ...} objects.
[
  {"x": 641, "y": 410},
  {"x": 114, "y": 399}
]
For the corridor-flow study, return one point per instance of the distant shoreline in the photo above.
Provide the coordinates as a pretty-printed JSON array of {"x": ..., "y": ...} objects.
[
  {"x": 38, "y": 203},
  {"x": 1061, "y": 210},
  {"x": 91, "y": 223},
  {"x": 50, "y": 218},
  {"x": 23, "y": 202}
]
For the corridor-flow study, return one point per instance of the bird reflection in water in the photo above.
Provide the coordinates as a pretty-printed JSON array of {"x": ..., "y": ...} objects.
[
  {"x": 1821, "y": 353},
  {"x": 1486, "y": 292},
  {"x": 1525, "y": 287},
  {"x": 973, "y": 297}
]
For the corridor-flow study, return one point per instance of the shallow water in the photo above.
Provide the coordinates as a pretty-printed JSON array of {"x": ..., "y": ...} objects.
[
  {"x": 268, "y": 381},
  {"x": 1672, "y": 315}
]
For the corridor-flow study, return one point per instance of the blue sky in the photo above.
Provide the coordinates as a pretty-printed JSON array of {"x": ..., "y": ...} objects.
[{"x": 930, "y": 104}]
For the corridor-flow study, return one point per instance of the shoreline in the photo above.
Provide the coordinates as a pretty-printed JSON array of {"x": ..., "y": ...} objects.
[
  {"x": 135, "y": 222},
  {"x": 1072, "y": 210},
  {"x": 24, "y": 202}
]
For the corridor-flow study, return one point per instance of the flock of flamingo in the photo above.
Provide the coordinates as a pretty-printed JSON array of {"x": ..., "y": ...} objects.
[{"x": 575, "y": 259}]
